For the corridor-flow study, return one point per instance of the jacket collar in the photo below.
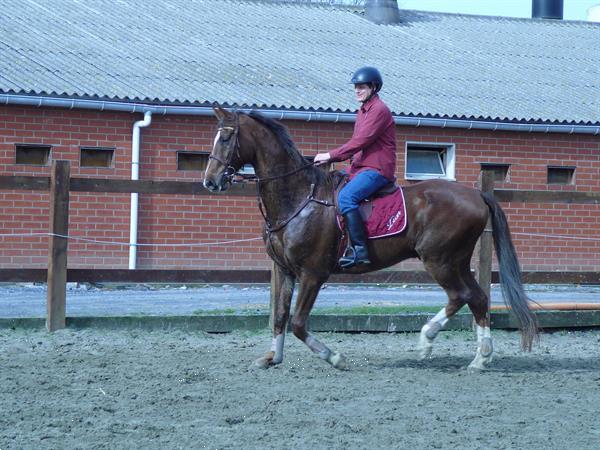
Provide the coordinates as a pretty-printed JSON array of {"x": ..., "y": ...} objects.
[{"x": 366, "y": 106}]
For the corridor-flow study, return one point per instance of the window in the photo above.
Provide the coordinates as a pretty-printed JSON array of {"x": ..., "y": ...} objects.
[
  {"x": 424, "y": 161},
  {"x": 192, "y": 161},
  {"x": 500, "y": 171},
  {"x": 247, "y": 169},
  {"x": 37, "y": 155},
  {"x": 561, "y": 175},
  {"x": 96, "y": 157}
]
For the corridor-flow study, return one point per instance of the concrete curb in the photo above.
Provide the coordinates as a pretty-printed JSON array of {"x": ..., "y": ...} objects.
[{"x": 342, "y": 323}]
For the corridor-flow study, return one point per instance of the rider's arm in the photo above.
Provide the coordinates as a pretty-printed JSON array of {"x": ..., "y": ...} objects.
[{"x": 372, "y": 125}]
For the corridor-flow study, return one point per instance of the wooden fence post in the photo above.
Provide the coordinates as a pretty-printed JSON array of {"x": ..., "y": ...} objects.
[
  {"x": 57, "y": 251},
  {"x": 484, "y": 274}
]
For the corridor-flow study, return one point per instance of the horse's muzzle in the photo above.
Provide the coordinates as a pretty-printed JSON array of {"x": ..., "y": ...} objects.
[{"x": 216, "y": 187}]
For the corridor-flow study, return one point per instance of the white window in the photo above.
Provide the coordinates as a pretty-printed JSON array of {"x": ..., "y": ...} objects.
[
  {"x": 424, "y": 161},
  {"x": 247, "y": 169}
]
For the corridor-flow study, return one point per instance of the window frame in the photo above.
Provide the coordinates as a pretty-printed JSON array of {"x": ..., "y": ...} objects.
[
  {"x": 447, "y": 155},
  {"x": 111, "y": 150},
  {"x": 45, "y": 147},
  {"x": 571, "y": 172},
  {"x": 189, "y": 153},
  {"x": 497, "y": 167}
]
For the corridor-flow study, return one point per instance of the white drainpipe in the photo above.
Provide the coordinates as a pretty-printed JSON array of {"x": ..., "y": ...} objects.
[{"x": 135, "y": 175}]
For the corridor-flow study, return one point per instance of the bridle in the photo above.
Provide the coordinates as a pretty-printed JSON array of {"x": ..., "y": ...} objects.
[{"x": 230, "y": 171}]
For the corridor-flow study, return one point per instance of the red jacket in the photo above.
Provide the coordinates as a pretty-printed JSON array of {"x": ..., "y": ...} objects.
[{"x": 373, "y": 141}]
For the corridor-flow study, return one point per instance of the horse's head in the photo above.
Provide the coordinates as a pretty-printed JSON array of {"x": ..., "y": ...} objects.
[{"x": 224, "y": 160}]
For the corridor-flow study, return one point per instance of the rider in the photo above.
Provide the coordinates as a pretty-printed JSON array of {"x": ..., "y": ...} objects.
[{"x": 373, "y": 148}]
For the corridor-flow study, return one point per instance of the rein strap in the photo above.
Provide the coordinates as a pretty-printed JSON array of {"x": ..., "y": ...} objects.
[{"x": 279, "y": 225}]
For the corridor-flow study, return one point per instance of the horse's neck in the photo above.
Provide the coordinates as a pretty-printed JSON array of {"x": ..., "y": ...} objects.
[{"x": 281, "y": 196}]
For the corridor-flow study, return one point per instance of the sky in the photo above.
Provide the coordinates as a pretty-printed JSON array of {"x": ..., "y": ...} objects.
[{"x": 572, "y": 10}]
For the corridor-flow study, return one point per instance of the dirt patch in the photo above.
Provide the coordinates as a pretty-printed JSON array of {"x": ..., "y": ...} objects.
[{"x": 96, "y": 388}]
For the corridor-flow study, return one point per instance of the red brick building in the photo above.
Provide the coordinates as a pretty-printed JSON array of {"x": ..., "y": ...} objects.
[{"x": 534, "y": 140}]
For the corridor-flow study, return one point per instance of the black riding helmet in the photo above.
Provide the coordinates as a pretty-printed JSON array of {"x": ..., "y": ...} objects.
[{"x": 368, "y": 75}]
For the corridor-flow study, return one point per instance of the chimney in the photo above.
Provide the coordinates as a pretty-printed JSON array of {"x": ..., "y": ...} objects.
[
  {"x": 382, "y": 12},
  {"x": 593, "y": 14},
  {"x": 547, "y": 9}
]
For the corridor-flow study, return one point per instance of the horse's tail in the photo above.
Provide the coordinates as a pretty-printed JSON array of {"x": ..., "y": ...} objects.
[{"x": 510, "y": 274}]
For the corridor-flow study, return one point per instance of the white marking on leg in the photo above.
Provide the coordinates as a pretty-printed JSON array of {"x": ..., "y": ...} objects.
[
  {"x": 318, "y": 347},
  {"x": 485, "y": 349},
  {"x": 277, "y": 348},
  {"x": 429, "y": 333},
  {"x": 336, "y": 359}
]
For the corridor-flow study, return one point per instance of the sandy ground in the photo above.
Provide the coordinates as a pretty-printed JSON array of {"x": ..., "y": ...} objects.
[{"x": 96, "y": 388}]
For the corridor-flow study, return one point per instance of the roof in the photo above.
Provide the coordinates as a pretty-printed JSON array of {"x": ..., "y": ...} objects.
[{"x": 300, "y": 56}]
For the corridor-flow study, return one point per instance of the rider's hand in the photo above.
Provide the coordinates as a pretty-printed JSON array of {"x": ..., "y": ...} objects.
[{"x": 322, "y": 158}]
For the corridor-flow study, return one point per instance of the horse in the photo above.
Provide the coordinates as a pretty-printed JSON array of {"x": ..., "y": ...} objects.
[{"x": 302, "y": 237}]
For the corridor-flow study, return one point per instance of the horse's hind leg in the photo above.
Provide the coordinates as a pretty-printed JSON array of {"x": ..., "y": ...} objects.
[
  {"x": 461, "y": 288},
  {"x": 307, "y": 294},
  {"x": 283, "y": 287},
  {"x": 448, "y": 276},
  {"x": 479, "y": 306}
]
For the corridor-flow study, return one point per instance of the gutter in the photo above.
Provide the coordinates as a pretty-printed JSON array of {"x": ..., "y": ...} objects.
[
  {"x": 135, "y": 175},
  {"x": 100, "y": 105}
]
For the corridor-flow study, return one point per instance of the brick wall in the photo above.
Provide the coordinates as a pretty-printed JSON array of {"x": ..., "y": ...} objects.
[{"x": 190, "y": 231}]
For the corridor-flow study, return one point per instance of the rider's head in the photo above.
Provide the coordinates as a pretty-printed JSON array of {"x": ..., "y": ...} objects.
[{"x": 369, "y": 76}]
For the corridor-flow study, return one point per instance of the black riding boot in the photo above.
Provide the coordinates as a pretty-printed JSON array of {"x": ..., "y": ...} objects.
[{"x": 357, "y": 252}]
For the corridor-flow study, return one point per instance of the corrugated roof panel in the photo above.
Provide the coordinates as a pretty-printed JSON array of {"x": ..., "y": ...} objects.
[{"x": 300, "y": 56}]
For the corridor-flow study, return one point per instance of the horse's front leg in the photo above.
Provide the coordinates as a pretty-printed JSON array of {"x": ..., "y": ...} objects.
[
  {"x": 281, "y": 297},
  {"x": 307, "y": 294}
]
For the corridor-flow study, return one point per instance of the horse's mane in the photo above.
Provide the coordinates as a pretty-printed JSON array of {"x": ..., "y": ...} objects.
[
  {"x": 281, "y": 133},
  {"x": 283, "y": 137}
]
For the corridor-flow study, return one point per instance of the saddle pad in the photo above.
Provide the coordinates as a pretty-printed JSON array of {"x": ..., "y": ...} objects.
[{"x": 386, "y": 216}]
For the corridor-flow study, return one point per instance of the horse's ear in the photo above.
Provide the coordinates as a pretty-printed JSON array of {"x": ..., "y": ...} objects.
[
  {"x": 222, "y": 113},
  {"x": 219, "y": 112}
]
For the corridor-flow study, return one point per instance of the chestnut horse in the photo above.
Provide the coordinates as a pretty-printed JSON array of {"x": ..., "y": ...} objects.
[{"x": 445, "y": 220}]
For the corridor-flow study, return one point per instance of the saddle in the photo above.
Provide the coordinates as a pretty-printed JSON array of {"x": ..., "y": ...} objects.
[{"x": 383, "y": 213}]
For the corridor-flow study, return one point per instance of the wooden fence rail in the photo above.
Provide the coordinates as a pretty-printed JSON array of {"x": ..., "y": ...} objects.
[{"x": 57, "y": 275}]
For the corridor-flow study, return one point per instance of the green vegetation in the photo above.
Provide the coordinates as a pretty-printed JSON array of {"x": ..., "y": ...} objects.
[
  {"x": 339, "y": 310},
  {"x": 365, "y": 310}
]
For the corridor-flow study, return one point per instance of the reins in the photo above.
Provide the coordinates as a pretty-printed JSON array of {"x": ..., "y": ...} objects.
[
  {"x": 279, "y": 225},
  {"x": 230, "y": 173},
  {"x": 274, "y": 177}
]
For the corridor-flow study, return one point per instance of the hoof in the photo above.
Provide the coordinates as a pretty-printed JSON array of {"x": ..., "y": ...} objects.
[
  {"x": 472, "y": 369},
  {"x": 479, "y": 364},
  {"x": 425, "y": 352},
  {"x": 262, "y": 363},
  {"x": 425, "y": 344},
  {"x": 487, "y": 348},
  {"x": 265, "y": 362},
  {"x": 338, "y": 361}
]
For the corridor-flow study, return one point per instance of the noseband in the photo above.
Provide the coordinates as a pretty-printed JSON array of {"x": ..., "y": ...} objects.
[{"x": 230, "y": 170}]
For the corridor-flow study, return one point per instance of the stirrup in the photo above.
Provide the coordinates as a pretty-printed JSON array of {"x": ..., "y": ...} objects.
[{"x": 347, "y": 261}]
